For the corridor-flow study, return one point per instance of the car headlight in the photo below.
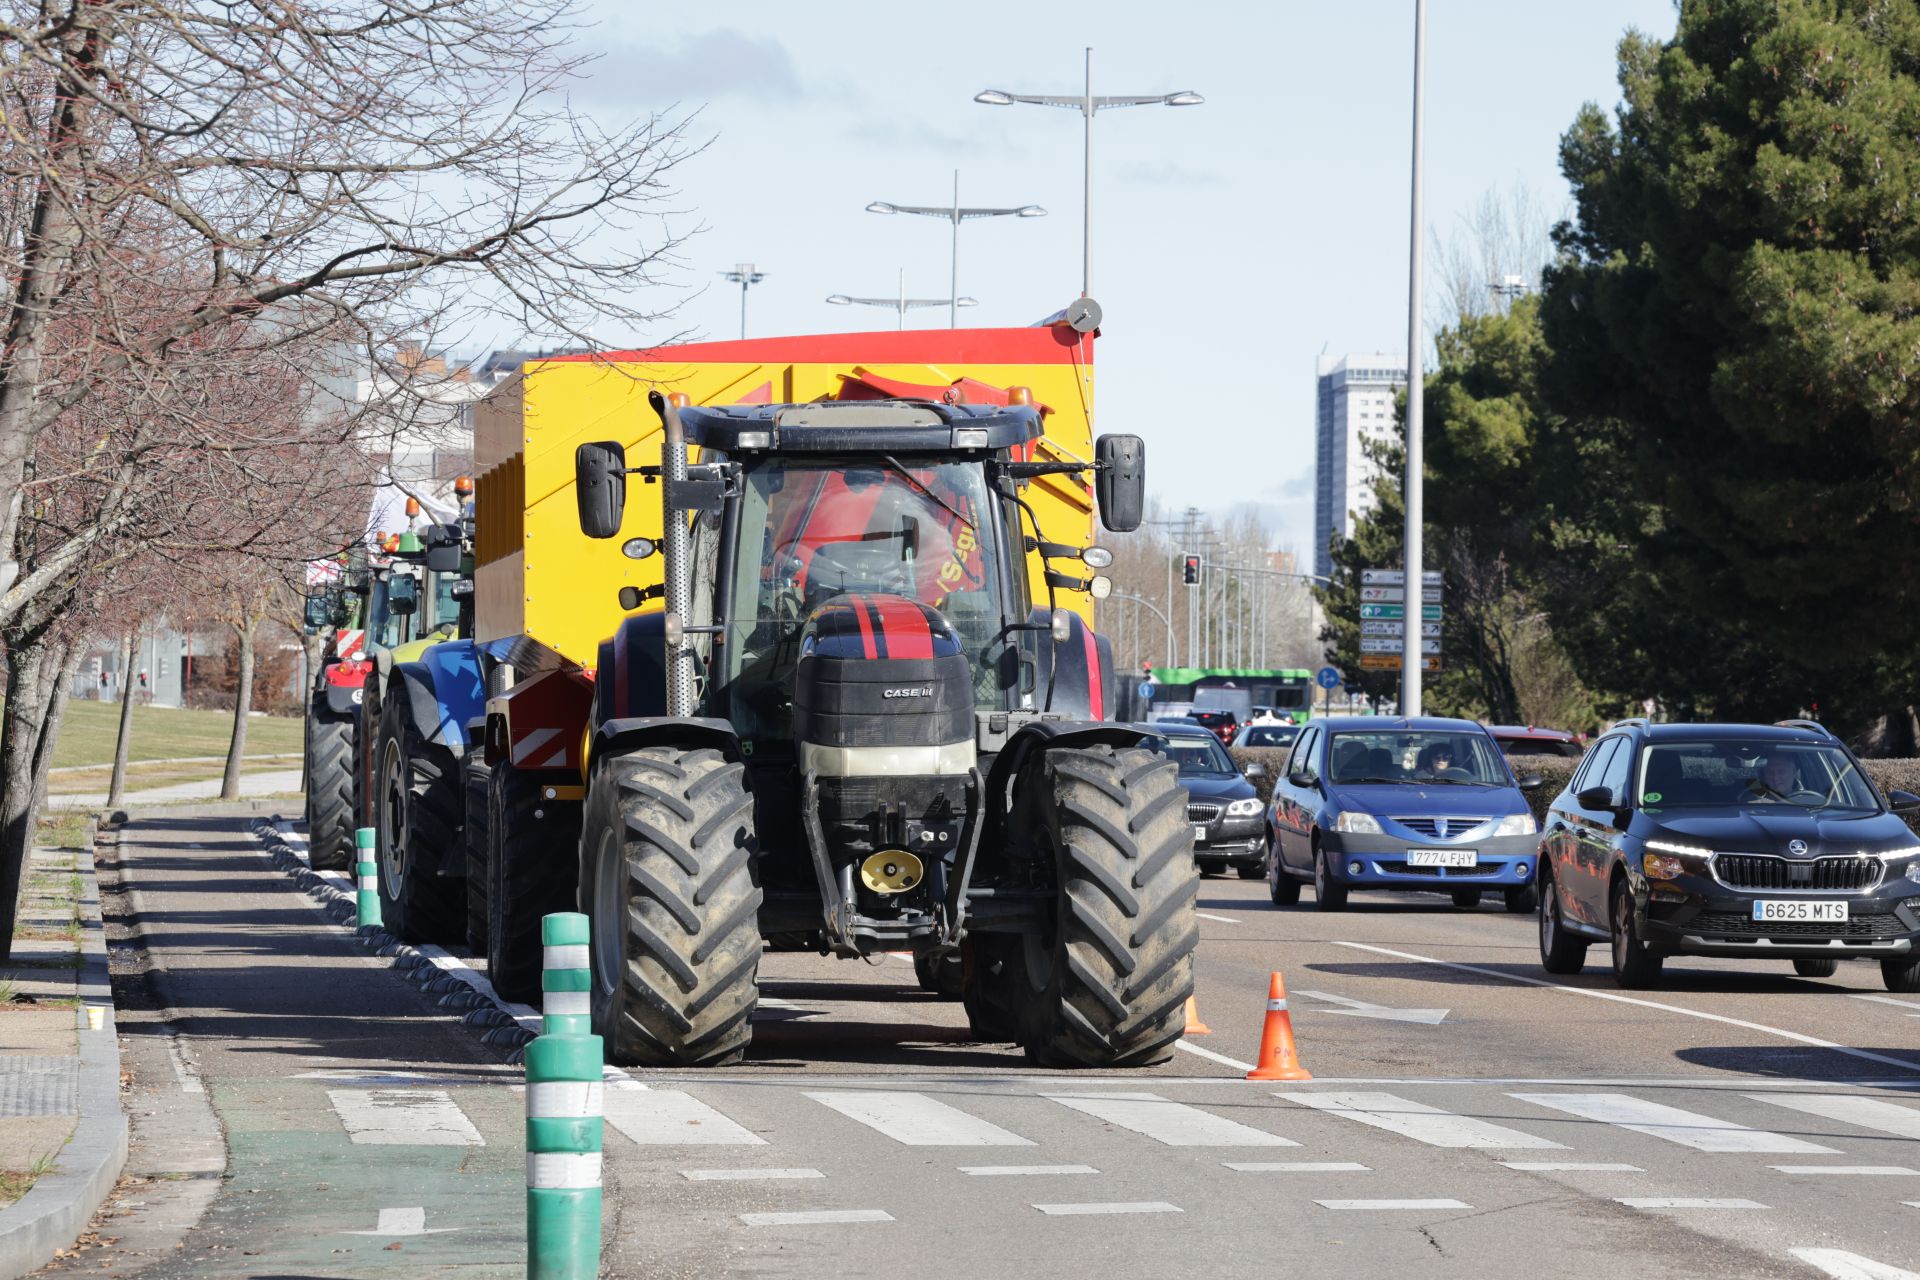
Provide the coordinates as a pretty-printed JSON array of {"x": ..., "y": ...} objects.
[
  {"x": 1683, "y": 850},
  {"x": 1243, "y": 808},
  {"x": 1661, "y": 866},
  {"x": 1517, "y": 824},
  {"x": 1357, "y": 824}
]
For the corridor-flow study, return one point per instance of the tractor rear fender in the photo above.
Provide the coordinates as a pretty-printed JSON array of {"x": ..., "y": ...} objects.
[
  {"x": 685, "y": 732},
  {"x": 443, "y": 692},
  {"x": 1084, "y": 685},
  {"x": 541, "y": 723},
  {"x": 1012, "y": 761},
  {"x": 632, "y": 679}
]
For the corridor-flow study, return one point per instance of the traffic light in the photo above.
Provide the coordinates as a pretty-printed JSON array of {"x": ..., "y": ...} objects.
[{"x": 1190, "y": 574}]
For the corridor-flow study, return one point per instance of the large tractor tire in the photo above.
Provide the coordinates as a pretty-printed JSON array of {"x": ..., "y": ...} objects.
[
  {"x": 419, "y": 808},
  {"x": 474, "y": 834},
  {"x": 330, "y": 766},
  {"x": 668, "y": 879},
  {"x": 1107, "y": 986},
  {"x": 533, "y": 868}
]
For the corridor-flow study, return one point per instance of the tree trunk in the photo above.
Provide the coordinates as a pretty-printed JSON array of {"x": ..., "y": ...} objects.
[
  {"x": 37, "y": 672},
  {"x": 242, "y": 704},
  {"x": 117, "y": 787}
]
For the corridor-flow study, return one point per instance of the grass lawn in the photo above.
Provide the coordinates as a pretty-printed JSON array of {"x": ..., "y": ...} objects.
[
  {"x": 162, "y": 733},
  {"x": 143, "y": 776}
]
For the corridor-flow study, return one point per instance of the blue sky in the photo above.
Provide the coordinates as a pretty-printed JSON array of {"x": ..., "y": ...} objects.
[{"x": 1231, "y": 241}]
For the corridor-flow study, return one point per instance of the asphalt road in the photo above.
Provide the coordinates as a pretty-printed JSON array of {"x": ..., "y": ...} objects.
[{"x": 1468, "y": 1115}]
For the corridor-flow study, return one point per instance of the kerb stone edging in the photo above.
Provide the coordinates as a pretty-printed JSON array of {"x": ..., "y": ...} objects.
[{"x": 58, "y": 1207}]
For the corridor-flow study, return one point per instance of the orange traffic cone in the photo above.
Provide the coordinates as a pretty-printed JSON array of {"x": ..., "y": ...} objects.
[
  {"x": 1195, "y": 1027},
  {"x": 1278, "y": 1059}
]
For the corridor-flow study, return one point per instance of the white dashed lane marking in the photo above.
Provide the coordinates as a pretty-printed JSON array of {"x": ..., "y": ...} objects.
[
  {"x": 815, "y": 1217},
  {"x": 915, "y": 1120},
  {"x": 1838, "y": 1264},
  {"x": 1569, "y": 1166},
  {"x": 1418, "y": 1121},
  {"x": 1860, "y": 1170},
  {"x": 1657, "y": 1120},
  {"x": 1021, "y": 1170},
  {"x": 1174, "y": 1123},
  {"x": 669, "y": 1118},
  {"x": 1367, "y": 1205},
  {"x": 1683, "y": 1202},
  {"x": 1297, "y": 1166},
  {"x": 403, "y": 1118},
  {"x": 1132, "y": 1206}
]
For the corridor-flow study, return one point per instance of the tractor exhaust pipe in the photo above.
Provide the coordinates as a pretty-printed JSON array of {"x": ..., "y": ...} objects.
[{"x": 678, "y": 571}]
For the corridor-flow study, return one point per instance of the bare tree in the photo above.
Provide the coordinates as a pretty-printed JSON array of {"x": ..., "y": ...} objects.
[{"x": 1498, "y": 248}]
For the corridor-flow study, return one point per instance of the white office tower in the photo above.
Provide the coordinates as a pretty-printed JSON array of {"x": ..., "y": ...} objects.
[{"x": 1354, "y": 404}]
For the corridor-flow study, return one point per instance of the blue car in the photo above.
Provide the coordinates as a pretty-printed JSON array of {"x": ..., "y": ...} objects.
[{"x": 1427, "y": 804}]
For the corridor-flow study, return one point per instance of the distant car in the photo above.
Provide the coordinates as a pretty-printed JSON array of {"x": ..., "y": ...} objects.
[
  {"x": 1764, "y": 842},
  {"x": 1228, "y": 829},
  {"x": 1531, "y": 740},
  {"x": 1223, "y": 723},
  {"x": 1266, "y": 735},
  {"x": 1374, "y": 802},
  {"x": 1188, "y": 721}
]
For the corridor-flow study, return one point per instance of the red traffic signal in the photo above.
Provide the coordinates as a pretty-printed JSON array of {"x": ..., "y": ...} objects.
[{"x": 1191, "y": 573}]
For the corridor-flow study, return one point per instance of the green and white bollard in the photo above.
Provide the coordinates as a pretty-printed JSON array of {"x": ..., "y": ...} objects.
[
  {"x": 563, "y": 1157},
  {"x": 565, "y": 998},
  {"x": 367, "y": 878}
]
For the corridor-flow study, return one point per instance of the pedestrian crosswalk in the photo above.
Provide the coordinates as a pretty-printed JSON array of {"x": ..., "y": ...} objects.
[{"x": 1830, "y": 1133}]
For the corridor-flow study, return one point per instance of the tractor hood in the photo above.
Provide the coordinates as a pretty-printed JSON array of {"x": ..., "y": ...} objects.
[{"x": 856, "y": 426}]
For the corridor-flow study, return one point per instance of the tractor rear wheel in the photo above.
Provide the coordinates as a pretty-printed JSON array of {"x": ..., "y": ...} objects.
[
  {"x": 668, "y": 880},
  {"x": 418, "y": 808},
  {"x": 1108, "y": 984},
  {"x": 330, "y": 765},
  {"x": 533, "y": 870},
  {"x": 478, "y": 784},
  {"x": 941, "y": 975}
]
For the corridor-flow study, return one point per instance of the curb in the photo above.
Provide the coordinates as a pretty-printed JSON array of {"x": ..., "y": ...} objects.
[
  {"x": 58, "y": 1207},
  {"x": 434, "y": 970}
]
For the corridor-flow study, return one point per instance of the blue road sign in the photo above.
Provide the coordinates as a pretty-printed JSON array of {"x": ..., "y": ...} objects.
[
  {"x": 1327, "y": 678},
  {"x": 1147, "y": 691}
]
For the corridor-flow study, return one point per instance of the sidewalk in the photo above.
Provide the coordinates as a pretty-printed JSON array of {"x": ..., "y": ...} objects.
[
  {"x": 63, "y": 1130},
  {"x": 272, "y": 782}
]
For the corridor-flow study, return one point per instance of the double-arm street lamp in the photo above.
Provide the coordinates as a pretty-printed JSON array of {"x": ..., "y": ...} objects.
[
  {"x": 1088, "y": 106},
  {"x": 900, "y": 304},
  {"x": 956, "y": 214}
]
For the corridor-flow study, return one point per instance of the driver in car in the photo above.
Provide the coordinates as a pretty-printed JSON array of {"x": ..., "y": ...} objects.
[
  {"x": 1435, "y": 761},
  {"x": 1779, "y": 778}
]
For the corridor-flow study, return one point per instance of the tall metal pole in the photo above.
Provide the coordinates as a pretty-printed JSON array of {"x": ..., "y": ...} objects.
[
  {"x": 743, "y": 307},
  {"x": 1086, "y": 187},
  {"x": 1410, "y": 650},
  {"x": 953, "y": 259}
]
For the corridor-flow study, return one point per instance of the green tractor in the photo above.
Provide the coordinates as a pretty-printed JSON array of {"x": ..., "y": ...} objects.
[{"x": 850, "y": 723}]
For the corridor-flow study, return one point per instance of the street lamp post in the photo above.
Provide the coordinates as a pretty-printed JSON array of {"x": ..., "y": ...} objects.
[
  {"x": 900, "y": 304},
  {"x": 1411, "y": 655},
  {"x": 745, "y": 276},
  {"x": 956, "y": 214},
  {"x": 1088, "y": 105},
  {"x": 1155, "y": 610}
]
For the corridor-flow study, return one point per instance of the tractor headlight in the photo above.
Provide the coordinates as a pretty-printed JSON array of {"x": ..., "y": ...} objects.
[
  {"x": 1243, "y": 808},
  {"x": 1517, "y": 824},
  {"x": 1357, "y": 824}
]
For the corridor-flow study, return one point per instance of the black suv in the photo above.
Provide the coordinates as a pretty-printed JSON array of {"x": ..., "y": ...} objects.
[{"x": 1765, "y": 841}]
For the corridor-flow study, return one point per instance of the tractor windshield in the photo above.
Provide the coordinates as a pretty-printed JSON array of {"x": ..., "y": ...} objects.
[{"x": 921, "y": 528}]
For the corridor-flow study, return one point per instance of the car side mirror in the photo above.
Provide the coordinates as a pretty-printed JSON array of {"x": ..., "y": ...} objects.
[
  {"x": 1255, "y": 769},
  {"x": 1530, "y": 781},
  {"x": 600, "y": 487},
  {"x": 1596, "y": 798},
  {"x": 1903, "y": 801},
  {"x": 1120, "y": 481},
  {"x": 1303, "y": 778}
]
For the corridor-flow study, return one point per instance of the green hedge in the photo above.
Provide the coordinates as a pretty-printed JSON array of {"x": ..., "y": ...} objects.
[{"x": 1555, "y": 771}]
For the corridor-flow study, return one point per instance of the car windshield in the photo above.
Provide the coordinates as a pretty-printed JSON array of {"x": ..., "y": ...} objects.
[
  {"x": 1420, "y": 757},
  {"x": 1196, "y": 755},
  {"x": 1731, "y": 771},
  {"x": 1275, "y": 736}
]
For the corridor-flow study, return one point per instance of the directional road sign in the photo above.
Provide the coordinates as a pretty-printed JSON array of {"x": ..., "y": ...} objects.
[
  {"x": 1147, "y": 690},
  {"x": 1395, "y": 627},
  {"x": 1391, "y": 662},
  {"x": 1327, "y": 678},
  {"x": 1396, "y": 578},
  {"x": 1397, "y": 595},
  {"x": 1431, "y": 612},
  {"x": 1392, "y": 644}
]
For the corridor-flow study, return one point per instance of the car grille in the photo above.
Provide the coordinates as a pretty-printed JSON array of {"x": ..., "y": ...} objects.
[
  {"x": 1764, "y": 871},
  {"x": 1400, "y": 868},
  {"x": 1203, "y": 812},
  {"x": 1744, "y": 928},
  {"x": 1431, "y": 827}
]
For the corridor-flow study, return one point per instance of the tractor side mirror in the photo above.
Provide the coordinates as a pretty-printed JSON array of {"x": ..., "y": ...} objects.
[
  {"x": 403, "y": 594},
  {"x": 600, "y": 487},
  {"x": 1120, "y": 483},
  {"x": 318, "y": 612},
  {"x": 337, "y": 612},
  {"x": 443, "y": 548}
]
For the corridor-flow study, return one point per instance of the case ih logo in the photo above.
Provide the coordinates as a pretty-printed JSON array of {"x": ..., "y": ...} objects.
[{"x": 917, "y": 691}]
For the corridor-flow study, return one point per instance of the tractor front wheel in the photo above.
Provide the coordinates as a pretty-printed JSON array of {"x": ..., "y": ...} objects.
[
  {"x": 668, "y": 879},
  {"x": 419, "y": 807},
  {"x": 1107, "y": 984}
]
